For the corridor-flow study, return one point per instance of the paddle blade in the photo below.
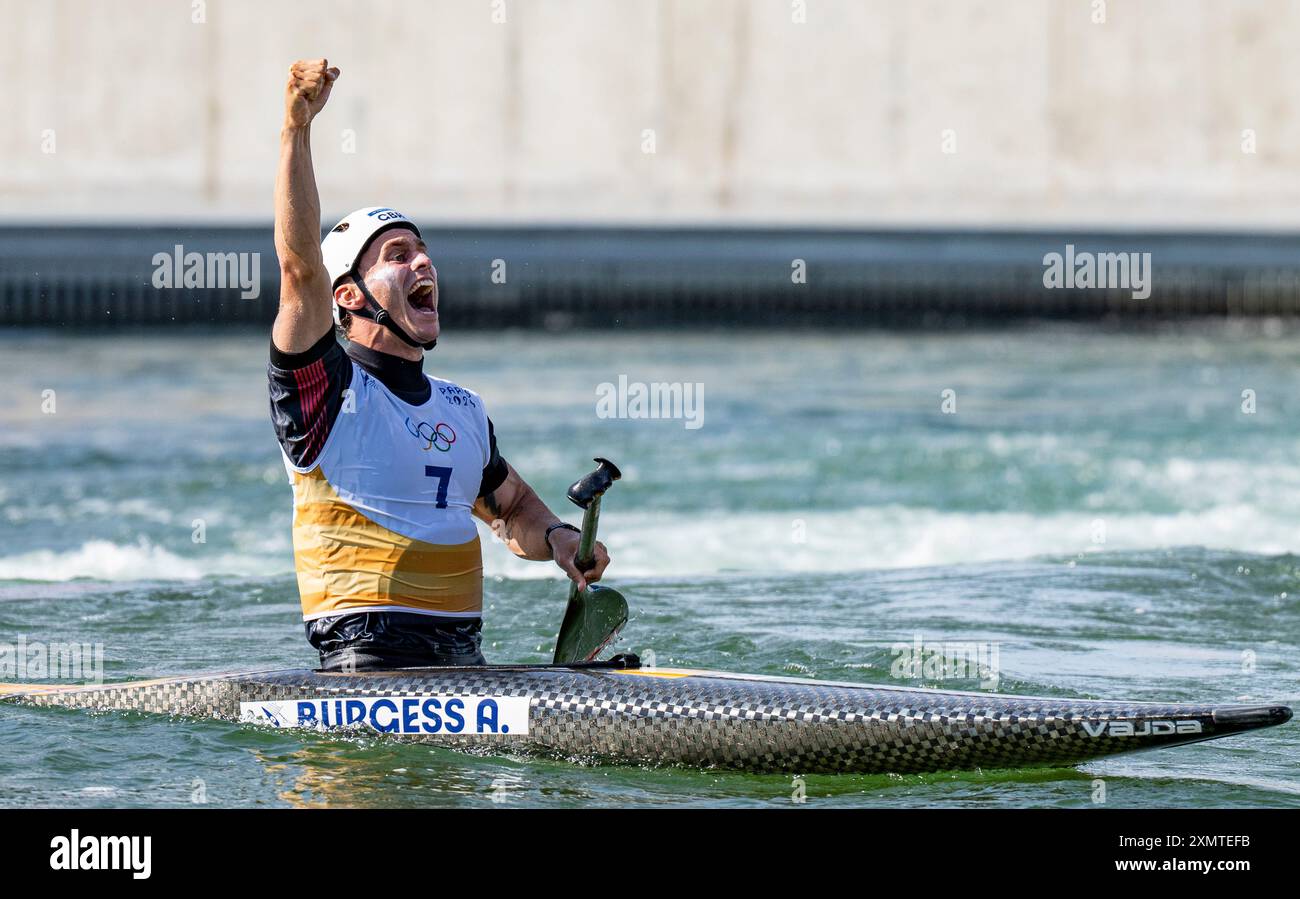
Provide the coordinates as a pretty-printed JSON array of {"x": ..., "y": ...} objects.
[{"x": 591, "y": 621}]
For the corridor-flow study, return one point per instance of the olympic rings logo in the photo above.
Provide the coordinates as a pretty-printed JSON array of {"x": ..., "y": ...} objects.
[{"x": 440, "y": 436}]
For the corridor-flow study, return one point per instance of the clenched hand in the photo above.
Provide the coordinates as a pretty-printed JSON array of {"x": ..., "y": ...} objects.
[
  {"x": 564, "y": 545},
  {"x": 310, "y": 82}
]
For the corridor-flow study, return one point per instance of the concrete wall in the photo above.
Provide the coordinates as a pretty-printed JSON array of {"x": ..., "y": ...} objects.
[{"x": 1135, "y": 121}]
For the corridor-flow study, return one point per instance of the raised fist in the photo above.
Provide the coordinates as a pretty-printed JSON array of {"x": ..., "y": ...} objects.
[{"x": 310, "y": 82}]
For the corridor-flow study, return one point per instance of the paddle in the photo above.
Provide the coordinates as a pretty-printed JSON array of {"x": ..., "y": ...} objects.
[{"x": 593, "y": 616}]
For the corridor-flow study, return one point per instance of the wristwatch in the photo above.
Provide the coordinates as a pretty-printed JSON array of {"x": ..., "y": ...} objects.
[{"x": 555, "y": 527}]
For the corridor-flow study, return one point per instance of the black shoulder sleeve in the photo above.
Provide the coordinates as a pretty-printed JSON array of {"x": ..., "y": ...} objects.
[
  {"x": 495, "y": 472},
  {"x": 306, "y": 395}
]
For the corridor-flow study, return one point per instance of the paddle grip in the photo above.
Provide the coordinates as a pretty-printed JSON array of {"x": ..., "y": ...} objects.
[{"x": 587, "y": 542}]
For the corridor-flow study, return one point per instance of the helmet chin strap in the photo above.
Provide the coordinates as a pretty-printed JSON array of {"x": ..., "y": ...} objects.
[{"x": 379, "y": 315}]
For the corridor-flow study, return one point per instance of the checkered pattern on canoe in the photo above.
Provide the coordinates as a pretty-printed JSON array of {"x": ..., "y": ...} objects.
[{"x": 701, "y": 720}]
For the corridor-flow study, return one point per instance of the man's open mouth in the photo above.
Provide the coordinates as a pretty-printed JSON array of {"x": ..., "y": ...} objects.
[{"x": 422, "y": 295}]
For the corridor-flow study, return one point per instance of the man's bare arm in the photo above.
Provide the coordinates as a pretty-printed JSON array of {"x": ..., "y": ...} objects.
[
  {"x": 519, "y": 517},
  {"x": 305, "y": 313}
]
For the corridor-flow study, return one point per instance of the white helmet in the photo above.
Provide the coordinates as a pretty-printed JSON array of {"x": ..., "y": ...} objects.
[
  {"x": 342, "y": 248},
  {"x": 346, "y": 241}
]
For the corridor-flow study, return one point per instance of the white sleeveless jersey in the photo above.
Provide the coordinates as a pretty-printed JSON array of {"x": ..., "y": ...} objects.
[{"x": 382, "y": 519}]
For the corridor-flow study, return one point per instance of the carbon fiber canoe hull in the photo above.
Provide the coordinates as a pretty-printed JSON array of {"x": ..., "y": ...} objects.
[{"x": 673, "y": 717}]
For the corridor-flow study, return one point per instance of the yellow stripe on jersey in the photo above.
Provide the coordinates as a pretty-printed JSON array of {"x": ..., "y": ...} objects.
[{"x": 346, "y": 562}]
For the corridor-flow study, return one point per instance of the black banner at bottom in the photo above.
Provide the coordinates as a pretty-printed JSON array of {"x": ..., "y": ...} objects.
[{"x": 382, "y": 849}]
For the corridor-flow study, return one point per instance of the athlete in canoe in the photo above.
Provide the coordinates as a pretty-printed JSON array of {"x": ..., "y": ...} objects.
[{"x": 387, "y": 464}]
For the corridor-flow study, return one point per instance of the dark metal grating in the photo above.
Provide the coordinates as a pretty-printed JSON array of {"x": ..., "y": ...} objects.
[{"x": 646, "y": 277}]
